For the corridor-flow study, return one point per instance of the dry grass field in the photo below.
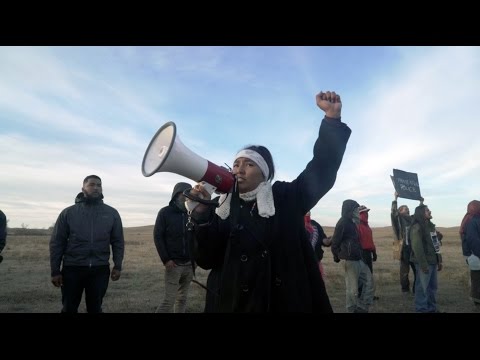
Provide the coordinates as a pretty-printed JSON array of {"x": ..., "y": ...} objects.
[{"x": 25, "y": 277}]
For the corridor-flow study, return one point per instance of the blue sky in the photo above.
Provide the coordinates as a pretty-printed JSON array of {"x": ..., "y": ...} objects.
[{"x": 66, "y": 112}]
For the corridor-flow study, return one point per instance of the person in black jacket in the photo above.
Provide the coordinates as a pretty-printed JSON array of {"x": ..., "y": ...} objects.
[
  {"x": 3, "y": 232},
  {"x": 171, "y": 241},
  {"x": 346, "y": 246},
  {"x": 255, "y": 241},
  {"x": 81, "y": 241},
  {"x": 402, "y": 249}
]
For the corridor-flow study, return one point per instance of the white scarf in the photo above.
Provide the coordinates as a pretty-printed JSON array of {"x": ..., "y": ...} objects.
[{"x": 263, "y": 194}]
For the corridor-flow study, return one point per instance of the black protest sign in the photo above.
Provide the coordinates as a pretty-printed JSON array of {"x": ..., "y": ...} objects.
[{"x": 406, "y": 184}]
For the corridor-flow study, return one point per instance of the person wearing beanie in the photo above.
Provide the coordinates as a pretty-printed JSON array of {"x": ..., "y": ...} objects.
[
  {"x": 255, "y": 241},
  {"x": 369, "y": 252}
]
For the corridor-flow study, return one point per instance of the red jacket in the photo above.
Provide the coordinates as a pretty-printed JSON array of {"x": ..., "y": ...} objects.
[{"x": 365, "y": 232}]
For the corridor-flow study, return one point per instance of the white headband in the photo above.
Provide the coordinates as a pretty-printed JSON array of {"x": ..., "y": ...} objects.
[{"x": 257, "y": 158}]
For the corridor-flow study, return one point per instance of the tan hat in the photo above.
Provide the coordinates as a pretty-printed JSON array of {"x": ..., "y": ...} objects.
[{"x": 363, "y": 208}]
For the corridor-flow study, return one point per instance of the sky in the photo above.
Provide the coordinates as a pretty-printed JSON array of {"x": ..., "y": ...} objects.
[{"x": 68, "y": 112}]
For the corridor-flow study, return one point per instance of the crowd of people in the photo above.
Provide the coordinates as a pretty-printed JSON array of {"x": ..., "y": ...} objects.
[{"x": 262, "y": 248}]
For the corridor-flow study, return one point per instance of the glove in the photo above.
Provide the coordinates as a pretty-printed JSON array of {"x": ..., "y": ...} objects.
[
  {"x": 374, "y": 256},
  {"x": 336, "y": 258}
]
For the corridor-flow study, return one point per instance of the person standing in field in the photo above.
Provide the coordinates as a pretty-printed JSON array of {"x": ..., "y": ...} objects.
[
  {"x": 80, "y": 248},
  {"x": 346, "y": 246},
  {"x": 255, "y": 241},
  {"x": 369, "y": 252},
  {"x": 427, "y": 259},
  {"x": 3, "y": 232},
  {"x": 470, "y": 235},
  {"x": 172, "y": 243},
  {"x": 401, "y": 222}
]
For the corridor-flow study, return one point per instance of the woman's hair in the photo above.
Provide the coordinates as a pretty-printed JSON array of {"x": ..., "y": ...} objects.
[
  {"x": 419, "y": 218},
  {"x": 263, "y": 151},
  {"x": 473, "y": 208}
]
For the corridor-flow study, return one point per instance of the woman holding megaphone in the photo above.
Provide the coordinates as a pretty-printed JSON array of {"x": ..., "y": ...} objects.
[{"x": 254, "y": 241}]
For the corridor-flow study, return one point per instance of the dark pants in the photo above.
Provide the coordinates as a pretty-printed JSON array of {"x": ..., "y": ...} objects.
[
  {"x": 213, "y": 285},
  {"x": 404, "y": 270},
  {"x": 77, "y": 278}
]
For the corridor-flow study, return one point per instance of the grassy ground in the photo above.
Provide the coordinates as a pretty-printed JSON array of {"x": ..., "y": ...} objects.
[{"x": 25, "y": 277}]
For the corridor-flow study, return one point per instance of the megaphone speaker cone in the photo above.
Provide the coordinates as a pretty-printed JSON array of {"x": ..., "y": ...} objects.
[
  {"x": 158, "y": 149},
  {"x": 166, "y": 153}
]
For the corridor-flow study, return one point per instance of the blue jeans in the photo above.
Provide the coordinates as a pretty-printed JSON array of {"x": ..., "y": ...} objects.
[{"x": 426, "y": 289}]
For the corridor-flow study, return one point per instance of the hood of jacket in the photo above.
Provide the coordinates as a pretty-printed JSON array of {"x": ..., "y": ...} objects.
[
  {"x": 347, "y": 208},
  {"x": 179, "y": 188},
  {"x": 81, "y": 198}
]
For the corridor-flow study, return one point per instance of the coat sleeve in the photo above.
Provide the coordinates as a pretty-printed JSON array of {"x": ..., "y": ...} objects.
[
  {"x": 416, "y": 238},
  {"x": 58, "y": 243},
  {"x": 160, "y": 238},
  {"x": 321, "y": 172},
  {"x": 337, "y": 239},
  {"x": 395, "y": 221},
  {"x": 117, "y": 242}
]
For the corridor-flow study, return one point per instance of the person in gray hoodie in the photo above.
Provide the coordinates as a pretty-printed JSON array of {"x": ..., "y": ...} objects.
[
  {"x": 80, "y": 243},
  {"x": 171, "y": 241}
]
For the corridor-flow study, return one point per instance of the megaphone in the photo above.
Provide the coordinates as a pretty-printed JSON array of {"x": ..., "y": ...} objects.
[{"x": 166, "y": 153}]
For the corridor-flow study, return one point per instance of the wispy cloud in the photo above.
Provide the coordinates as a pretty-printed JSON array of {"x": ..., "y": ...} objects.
[{"x": 69, "y": 112}]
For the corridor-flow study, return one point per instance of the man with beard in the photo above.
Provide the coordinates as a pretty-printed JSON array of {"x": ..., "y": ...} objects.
[{"x": 81, "y": 241}]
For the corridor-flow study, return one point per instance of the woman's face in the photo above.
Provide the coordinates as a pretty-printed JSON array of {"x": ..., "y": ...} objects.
[{"x": 248, "y": 174}]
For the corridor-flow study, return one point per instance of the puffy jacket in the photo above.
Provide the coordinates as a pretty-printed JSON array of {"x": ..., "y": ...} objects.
[{"x": 83, "y": 235}]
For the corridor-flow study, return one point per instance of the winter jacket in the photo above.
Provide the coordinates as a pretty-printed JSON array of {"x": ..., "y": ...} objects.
[
  {"x": 471, "y": 237},
  {"x": 365, "y": 233},
  {"x": 401, "y": 226},
  {"x": 83, "y": 235},
  {"x": 170, "y": 233},
  {"x": 423, "y": 252},
  {"x": 3, "y": 230},
  {"x": 318, "y": 248},
  {"x": 345, "y": 239},
  {"x": 266, "y": 264}
]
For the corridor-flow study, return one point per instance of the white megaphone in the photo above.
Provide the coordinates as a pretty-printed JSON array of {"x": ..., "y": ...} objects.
[{"x": 166, "y": 153}]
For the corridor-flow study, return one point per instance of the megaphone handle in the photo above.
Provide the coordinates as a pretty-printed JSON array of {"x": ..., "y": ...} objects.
[{"x": 198, "y": 199}]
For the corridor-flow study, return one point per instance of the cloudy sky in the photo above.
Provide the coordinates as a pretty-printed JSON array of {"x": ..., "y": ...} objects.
[{"x": 67, "y": 112}]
